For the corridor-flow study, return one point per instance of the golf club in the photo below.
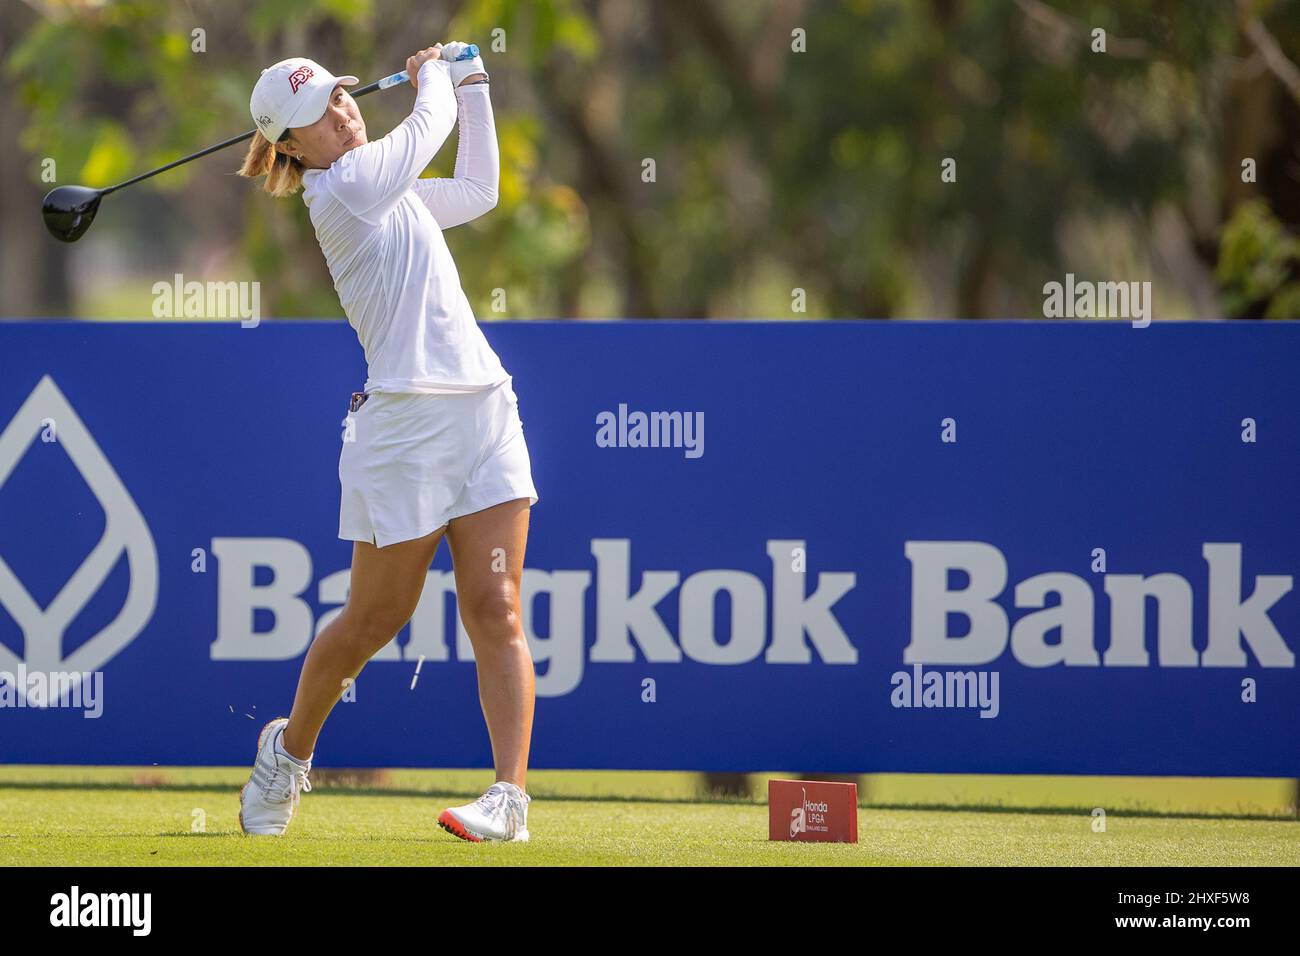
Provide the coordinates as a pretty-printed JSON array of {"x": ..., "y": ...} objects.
[{"x": 69, "y": 210}]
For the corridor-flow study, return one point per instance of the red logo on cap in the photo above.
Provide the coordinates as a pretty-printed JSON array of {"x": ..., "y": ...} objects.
[{"x": 298, "y": 77}]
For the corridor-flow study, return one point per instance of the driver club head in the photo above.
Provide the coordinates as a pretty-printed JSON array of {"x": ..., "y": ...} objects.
[{"x": 69, "y": 211}]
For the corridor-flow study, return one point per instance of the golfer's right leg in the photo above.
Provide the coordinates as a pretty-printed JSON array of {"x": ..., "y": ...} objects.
[{"x": 385, "y": 589}]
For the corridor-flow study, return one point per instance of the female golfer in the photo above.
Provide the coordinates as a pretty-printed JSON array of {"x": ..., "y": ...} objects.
[{"x": 434, "y": 444}]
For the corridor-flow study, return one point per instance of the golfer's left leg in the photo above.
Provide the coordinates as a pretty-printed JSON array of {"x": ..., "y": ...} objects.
[{"x": 487, "y": 550}]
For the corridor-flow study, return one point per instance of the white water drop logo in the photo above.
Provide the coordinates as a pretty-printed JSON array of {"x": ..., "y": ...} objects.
[{"x": 125, "y": 531}]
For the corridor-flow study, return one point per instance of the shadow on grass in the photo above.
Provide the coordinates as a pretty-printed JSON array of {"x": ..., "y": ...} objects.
[{"x": 322, "y": 790}]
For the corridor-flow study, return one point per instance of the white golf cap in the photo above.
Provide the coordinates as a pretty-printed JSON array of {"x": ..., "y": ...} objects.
[{"x": 292, "y": 93}]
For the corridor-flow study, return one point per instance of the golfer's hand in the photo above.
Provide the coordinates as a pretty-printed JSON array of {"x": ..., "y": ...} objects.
[
  {"x": 417, "y": 60},
  {"x": 462, "y": 71}
]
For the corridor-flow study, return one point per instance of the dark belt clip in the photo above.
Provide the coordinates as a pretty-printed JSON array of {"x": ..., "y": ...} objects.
[{"x": 358, "y": 399}]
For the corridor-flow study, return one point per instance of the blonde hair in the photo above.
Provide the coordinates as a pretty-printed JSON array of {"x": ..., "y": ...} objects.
[{"x": 283, "y": 172}]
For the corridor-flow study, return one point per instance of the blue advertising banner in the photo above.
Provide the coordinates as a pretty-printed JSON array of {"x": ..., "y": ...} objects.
[{"x": 948, "y": 547}]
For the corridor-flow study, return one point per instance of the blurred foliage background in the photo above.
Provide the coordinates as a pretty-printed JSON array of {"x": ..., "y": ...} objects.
[{"x": 1173, "y": 156}]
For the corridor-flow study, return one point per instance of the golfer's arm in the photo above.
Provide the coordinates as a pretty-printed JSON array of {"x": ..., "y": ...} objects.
[
  {"x": 472, "y": 190},
  {"x": 385, "y": 169}
]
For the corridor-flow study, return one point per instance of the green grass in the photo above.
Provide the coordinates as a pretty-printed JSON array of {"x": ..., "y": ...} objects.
[{"x": 100, "y": 816}]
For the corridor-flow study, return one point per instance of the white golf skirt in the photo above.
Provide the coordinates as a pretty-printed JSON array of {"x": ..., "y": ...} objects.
[{"x": 412, "y": 462}]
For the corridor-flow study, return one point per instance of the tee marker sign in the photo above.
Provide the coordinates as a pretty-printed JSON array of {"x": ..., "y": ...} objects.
[{"x": 812, "y": 811}]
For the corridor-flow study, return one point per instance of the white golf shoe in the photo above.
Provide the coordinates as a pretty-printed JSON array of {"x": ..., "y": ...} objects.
[
  {"x": 500, "y": 814},
  {"x": 267, "y": 801}
]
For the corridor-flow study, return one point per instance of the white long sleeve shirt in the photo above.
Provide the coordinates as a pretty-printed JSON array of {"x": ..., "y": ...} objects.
[{"x": 380, "y": 228}]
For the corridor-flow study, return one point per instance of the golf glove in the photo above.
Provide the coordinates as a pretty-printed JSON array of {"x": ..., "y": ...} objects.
[{"x": 460, "y": 68}]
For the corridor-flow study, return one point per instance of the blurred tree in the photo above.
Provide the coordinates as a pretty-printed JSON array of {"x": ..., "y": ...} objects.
[
  {"x": 1259, "y": 263},
  {"x": 796, "y": 144},
  {"x": 1258, "y": 246},
  {"x": 31, "y": 284}
]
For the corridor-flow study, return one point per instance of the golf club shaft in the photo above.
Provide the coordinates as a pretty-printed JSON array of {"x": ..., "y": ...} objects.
[{"x": 383, "y": 84}]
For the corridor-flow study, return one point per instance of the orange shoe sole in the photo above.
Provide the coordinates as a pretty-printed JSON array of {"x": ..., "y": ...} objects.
[{"x": 448, "y": 822}]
